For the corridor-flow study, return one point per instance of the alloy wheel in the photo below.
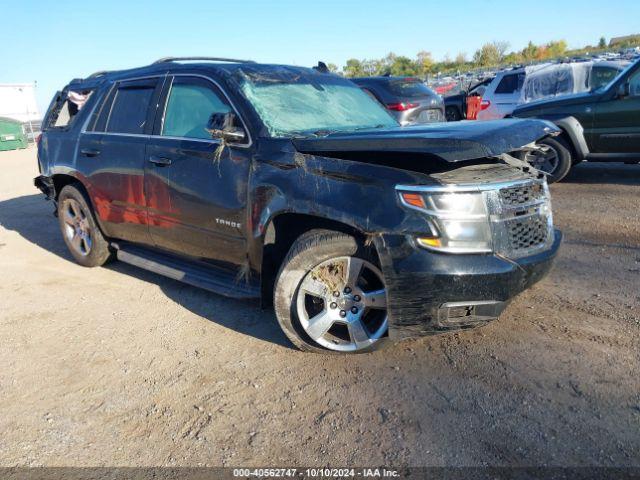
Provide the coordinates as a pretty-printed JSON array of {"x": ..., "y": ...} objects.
[
  {"x": 546, "y": 160},
  {"x": 342, "y": 304},
  {"x": 76, "y": 226}
]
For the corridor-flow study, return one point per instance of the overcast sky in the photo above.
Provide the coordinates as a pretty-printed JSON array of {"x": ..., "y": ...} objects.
[{"x": 53, "y": 42}]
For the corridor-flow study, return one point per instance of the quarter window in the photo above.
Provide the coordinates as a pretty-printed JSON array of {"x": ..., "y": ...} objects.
[
  {"x": 190, "y": 104},
  {"x": 129, "y": 110}
]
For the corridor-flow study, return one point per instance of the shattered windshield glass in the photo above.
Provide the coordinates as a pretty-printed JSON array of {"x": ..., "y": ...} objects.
[{"x": 294, "y": 102}]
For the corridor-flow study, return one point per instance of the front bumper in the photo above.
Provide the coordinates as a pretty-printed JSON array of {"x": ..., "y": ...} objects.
[{"x": 431, "y": 292}]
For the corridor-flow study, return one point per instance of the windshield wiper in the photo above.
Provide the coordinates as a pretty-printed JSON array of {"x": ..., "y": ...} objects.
[
  {"x": 380, "y": 125},
  {"x": 324, "y": 132}
]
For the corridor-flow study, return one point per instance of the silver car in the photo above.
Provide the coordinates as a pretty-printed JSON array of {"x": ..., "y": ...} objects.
[{"x": 406, "y": 98}]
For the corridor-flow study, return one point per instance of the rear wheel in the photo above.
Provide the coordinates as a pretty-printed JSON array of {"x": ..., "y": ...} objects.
[
  {"x": 79, "y": 229},
  {"x": 554, "y": 159},
  {"x": 330, "y": 295}
]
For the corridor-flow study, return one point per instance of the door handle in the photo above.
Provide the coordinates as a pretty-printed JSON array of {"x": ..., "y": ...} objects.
[
  {"x": 160, "y": 161},
  {"x": 90, "y": 152}
]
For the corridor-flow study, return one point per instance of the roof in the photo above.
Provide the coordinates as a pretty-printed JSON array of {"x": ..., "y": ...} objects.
[{"x": 174, "y": 66}]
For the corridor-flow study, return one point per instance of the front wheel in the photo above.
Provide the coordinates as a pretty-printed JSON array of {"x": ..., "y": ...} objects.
[
  {"x": 330, "y": 295},
  {"x": 554, "y": 159}
]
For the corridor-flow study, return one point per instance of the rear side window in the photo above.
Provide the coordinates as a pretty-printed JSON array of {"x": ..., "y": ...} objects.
[
  {"x": 130, "y": 108},
  {"x": 510, "y": 83},
  {"x": 409, "y": 88},
  {"x": 190, "y": 104},
  {"x": 66, "y": 107}
]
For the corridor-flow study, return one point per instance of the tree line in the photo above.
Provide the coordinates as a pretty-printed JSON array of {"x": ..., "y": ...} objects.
[{"x": 489, "y": 55}]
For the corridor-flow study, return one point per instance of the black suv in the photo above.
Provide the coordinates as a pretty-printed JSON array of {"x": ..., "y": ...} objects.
[
  {"x": 293, "y": 185},
  {"x": 602, "y": 125}
]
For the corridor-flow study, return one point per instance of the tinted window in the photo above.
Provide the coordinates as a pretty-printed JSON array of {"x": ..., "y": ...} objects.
[
  {"x": 190, "y": 104},
  {"x": 601, "y": 76},
  {"x": 634, "y": 84},
  {"x": 409, "y": 88},
  {"x": 510, "y": 83},
  {"x": 129, "y": 109}
]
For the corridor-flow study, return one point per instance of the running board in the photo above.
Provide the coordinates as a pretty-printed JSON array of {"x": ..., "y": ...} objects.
[{"x": 214, "y": 279}]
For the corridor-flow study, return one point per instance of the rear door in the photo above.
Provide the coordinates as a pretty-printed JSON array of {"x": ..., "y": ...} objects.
[
  {"x": 196, "y": 188},
  {"x": 616, "y": 125},
  {"x": 112, "y": 156}
]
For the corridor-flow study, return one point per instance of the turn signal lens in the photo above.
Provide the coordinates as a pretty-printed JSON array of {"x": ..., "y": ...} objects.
[
  {"x": 413, "y": 199},
  {"x": 430, "y": 242}
]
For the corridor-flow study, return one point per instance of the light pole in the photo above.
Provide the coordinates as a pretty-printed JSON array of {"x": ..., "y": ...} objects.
[{"x": 28, "y": 113}]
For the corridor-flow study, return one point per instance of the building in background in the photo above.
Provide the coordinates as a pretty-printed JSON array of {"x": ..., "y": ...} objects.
[{"x": 18, "y": 102}]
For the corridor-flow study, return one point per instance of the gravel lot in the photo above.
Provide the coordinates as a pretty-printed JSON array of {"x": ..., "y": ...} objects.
[{"x": 116, "y": 366}]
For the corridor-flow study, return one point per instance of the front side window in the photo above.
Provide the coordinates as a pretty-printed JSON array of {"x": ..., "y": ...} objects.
[
  {"x": 295, "y": 101},
  {"x": 634, "y": 84},
  {"x": 129, "y": 110},
  {"x": 601, "y": 76},
  {"x": 190, "y": 104}
]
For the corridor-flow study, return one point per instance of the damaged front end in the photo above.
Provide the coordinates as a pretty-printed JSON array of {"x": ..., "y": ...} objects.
[{"x": 491, "y": 237}]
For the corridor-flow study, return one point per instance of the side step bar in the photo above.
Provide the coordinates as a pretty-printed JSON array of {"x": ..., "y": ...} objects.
[{"x": 214, "y": 279}]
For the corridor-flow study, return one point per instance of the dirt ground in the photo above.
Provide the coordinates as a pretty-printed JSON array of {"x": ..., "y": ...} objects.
[{"x": 119, "y": 367}]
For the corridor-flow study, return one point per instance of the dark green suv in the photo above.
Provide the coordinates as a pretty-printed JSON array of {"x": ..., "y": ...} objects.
[{"x": 602, "y": 126}]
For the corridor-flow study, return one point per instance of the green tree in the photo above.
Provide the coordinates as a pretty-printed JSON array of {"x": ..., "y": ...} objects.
[
  {"x": 602, "y": 43},
  {"x": 488, "y": 55},
  {"x": 332, "y": 67},
  {"x": 424, "y": 62},
  {"x": 529, "y": 52},
  {"x": 353, "y": 68},
  {"x": 461, "y": 58},
  {"x": 404, "y": 66},
  {"x": 556, "y": 49}
]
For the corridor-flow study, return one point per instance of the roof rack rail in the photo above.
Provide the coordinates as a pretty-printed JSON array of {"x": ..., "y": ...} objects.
[
  {"x": 98, "y": 74},
  {"x": 206, "y": 59}
]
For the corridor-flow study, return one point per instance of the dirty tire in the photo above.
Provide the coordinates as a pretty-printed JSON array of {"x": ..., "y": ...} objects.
[
  {"x": 89, "y": 249},
  {"x": 307, "y": 252},
  {"x": 564, "y": 160}
]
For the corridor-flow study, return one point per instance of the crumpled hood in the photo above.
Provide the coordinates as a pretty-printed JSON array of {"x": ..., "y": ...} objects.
[{"x": 452, "y": 142}]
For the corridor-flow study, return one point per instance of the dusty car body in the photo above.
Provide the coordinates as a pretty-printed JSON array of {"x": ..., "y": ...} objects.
[{"x": 444, "y": 225}]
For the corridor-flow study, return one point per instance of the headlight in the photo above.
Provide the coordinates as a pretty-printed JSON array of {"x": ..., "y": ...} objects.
[{"x": 461, "y": 221}]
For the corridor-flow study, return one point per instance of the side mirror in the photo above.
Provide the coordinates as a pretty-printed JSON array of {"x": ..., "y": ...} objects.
[
  {"x": 222, "y": 126},
  {"x": 623, "y": 90}
]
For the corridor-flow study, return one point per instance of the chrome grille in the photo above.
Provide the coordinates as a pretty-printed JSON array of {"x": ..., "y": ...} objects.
[
  {"x": 527, "y": 233},
  {"x": 521, "y": 218},
  {"x": 522, "y": 194}
]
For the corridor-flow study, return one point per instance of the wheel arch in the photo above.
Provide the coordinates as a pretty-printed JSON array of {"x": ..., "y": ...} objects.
[
  {"x": 573, "y": 133},
  {"x": 280, "y": 234},
  {"x": 61, "y": 180}
]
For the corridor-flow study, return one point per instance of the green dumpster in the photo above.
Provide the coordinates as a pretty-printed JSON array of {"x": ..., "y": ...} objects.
[{"x": 12, "y": 135}]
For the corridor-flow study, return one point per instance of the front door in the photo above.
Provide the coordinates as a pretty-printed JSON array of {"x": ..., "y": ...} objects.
[
  {"x": 113, "y": 157},
  {"x": 196, "y": 188},
  {"x": 616, "y": 126}
]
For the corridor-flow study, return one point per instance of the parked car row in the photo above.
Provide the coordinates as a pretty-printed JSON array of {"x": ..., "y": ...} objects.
[{"x": 596, "y": 106}]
